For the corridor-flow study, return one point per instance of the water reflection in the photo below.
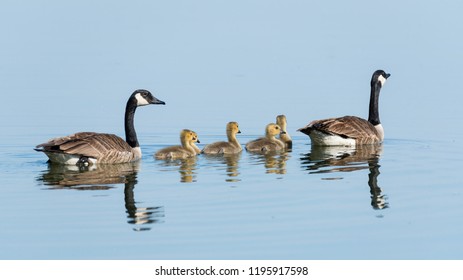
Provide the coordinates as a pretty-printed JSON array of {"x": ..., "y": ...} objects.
[
  {"x": 186, "y": 168},
  {"x": 274, "y": 162},
  {"x": 139, "y": 216},
  {"x": 231, "y": 162},
  {"x": 103, "y": 177},
  {"x": 348, "y": 159}
]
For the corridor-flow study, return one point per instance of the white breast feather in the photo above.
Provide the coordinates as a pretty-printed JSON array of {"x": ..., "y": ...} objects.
[{"x": 323, "y": 139}]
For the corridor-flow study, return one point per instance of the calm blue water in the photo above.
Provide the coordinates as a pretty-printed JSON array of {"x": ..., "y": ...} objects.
[
  {"x": 397, "y": 202},
  {"x": 67, "y": 68}
]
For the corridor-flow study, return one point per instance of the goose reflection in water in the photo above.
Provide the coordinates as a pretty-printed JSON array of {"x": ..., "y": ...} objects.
[
  {"x": 231, "y": 162},
  {"x": 333, "y": 159},
  {"x": 274, "y": 162},
  {"x": 104, "y": 177},
  {"x": 186, "y": 168}
]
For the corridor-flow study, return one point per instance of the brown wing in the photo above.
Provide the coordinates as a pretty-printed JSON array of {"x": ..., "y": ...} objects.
[
  {"x": 88, "y": 144},
  {"x": 347, "y": 127}
]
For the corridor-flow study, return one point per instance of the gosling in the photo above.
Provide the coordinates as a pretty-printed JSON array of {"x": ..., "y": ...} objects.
[
  {"x": 269, "y": 142},
  {"x": 230, "y": 147},
  {"x": 285, "y": 138},
  {"x": 188, "y": 138}
]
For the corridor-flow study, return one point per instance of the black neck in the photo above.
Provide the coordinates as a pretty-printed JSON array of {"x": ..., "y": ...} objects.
[
  {"x": 373, "y": 116},
  {"x": 130, "y": 134}
]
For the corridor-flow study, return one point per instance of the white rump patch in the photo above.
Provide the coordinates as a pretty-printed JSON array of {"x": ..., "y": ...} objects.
[{"x": 140, "y": 100}]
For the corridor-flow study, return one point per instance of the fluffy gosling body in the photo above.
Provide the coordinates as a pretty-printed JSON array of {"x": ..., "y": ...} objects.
[
  {"x": 269, "y": 142},
  {"x": 188, "y": 138},
  {"x": 230, "y": 147}
]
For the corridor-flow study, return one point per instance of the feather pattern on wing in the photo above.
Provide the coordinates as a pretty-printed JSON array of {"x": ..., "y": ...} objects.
[
  {"x": 362, "y": 131},
  {"x": 105, "y": 148}
]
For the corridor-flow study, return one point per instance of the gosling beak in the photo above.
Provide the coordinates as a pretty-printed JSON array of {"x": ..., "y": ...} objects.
[
  {"x": 197, "y": 140},
  {"x": 283, "y": 132},
  {"x": 239, "y": 131}
]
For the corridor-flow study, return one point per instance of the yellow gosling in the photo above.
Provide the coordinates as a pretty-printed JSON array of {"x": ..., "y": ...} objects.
[
  {"x": 188, "y": 138},
  {"x": 285, "y": 138},
  {"x": 230, "y": 147},
  {"x": 269, "y": 142}
]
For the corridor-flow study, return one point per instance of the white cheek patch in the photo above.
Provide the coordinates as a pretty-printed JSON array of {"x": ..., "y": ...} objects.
[
  {"x": 140, "y": 100},
  {"x": 382, "y": 80}
]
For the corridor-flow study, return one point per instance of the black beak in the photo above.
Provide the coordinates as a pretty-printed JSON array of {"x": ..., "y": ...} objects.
[
  {"x": 283, "y": 132},
  {"x": 157, "y": 101},
  {"x": 387, "y": 75},
  {"x": 239, "y": 131}
]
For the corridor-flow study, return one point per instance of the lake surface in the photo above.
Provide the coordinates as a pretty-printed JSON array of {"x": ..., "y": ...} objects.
[
  {"x": 397, "y": 201},
  {"x": 70, "y": 66}
]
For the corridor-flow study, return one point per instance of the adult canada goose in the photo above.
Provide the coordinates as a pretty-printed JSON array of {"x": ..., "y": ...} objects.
[
  {"x": 285, "y": 138},
  {"x": 88, "y": 148},
  {"x": 230, "y": 147},
  {"x": 350, "y": 130},
  {"x": 269, "y": 142},
  {"x": 188, "y": 138}
]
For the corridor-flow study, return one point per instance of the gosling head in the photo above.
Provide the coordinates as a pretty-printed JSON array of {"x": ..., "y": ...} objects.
[
  {"x": 281, "y": 121},
  {"x": 273, "y": 129},
  {"x": 379, "y": 76},
  {"x": 142, "y": 97},
  {"x": 189, "y": 136},
  {"x": 233, "y": 127}
]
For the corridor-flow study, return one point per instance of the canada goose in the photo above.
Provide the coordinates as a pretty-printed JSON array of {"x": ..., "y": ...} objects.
[
  {"x": 269, "y": 142},
  {"x": 188, "y": 138},
  {"x": 87, "y": 148},
  {"x": 285, "y": 138},
  {"x": 230, "y": 147},
  {"x": 349, "y": 130}
]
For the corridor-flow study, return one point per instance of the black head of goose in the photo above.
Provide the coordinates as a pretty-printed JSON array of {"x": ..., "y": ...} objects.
[
  {"x": 90, "y": 147},
  {"x": 351, "y": 130}
]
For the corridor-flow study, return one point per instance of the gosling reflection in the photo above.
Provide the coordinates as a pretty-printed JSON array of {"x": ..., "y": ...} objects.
[
  {"x": 231, "y": 162},
  {"x": 274, "y": 162},
  {"x": 186, "y": 168},
  {"x": 335, "y": 159},
  {"x": 103, "y": 177}
]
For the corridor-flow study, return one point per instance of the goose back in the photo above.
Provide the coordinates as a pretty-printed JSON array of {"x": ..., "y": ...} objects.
[
  {"x": 347, "y": 130},
  {"x": 100, "y": 147}
]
